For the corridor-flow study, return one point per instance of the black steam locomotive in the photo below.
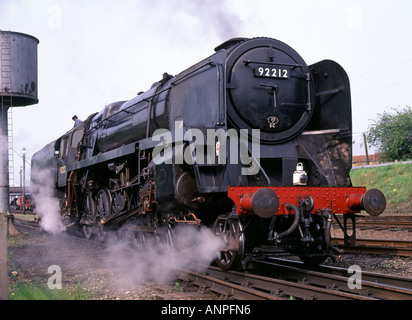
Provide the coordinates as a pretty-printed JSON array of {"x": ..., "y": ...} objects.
[{"x": 251, "y": 141}]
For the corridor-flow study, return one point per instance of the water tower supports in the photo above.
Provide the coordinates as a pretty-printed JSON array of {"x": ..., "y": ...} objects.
[
  {"x": 4, "y": 202},
  {"x": 4, "y": 163}
]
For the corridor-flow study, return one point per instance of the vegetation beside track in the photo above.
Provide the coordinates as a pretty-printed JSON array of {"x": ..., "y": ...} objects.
[
  {"x": 395, "y": 181},
  {"x": 29, "y": 291}
]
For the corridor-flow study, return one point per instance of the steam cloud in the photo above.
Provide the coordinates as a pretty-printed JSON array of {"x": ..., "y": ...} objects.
[
  {"x": 47, "y": 205},
  {"x": 221, "y": 21},
  {"x": 191, "y": 245},
  {"x": 119, "y": 267},
  {"x": 212, "y": 17},
  {"x": 194, "y": 249}
]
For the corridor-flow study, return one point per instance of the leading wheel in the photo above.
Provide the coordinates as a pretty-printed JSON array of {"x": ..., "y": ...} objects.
[{"x": 230, "y": 231}]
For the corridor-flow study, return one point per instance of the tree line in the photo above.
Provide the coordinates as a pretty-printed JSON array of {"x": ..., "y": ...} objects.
[{"x": 391, "y": 133}]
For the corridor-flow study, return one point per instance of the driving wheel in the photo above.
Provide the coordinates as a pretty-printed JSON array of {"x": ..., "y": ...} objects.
[{"x": 230, "y": 231}]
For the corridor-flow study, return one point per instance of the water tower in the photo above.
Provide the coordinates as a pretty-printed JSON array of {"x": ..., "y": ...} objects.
[{"x": 18, "y": 88}]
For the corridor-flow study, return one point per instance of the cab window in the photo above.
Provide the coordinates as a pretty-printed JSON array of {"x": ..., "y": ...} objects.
[{"x": 63, "y": 147}]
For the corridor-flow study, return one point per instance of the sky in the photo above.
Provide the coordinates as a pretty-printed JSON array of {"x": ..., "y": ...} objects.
[{"x": 93, "y": 52}]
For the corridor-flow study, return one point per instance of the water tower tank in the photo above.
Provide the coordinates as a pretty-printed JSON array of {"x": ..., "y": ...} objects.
[{"x": 18, "y": 69}]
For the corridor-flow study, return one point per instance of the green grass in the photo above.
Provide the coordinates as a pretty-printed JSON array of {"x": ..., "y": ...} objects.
[
  {"x": 395, "y": 181},
  {"x": 35, "y": 292}
]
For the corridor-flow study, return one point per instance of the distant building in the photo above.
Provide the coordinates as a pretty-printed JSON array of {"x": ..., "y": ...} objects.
[{"x": 361, "y": 160}]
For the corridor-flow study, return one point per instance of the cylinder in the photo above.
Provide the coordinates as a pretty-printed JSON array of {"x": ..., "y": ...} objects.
[{"x": 18, "y": 69}]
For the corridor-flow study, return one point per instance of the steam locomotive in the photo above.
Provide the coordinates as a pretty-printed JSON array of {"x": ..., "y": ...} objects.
[{"x": 250, "y": 141}]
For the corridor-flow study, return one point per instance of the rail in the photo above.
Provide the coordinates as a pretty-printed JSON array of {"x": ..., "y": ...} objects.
[
  {"x": 373, "y": 285},
  {"x": 401, "y": 248}
]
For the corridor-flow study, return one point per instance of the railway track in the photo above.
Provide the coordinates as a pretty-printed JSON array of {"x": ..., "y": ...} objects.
[
  {"x": 284, "y": 281},
  {"x": 401, "y": 248},
  {"x": 372, "y": 285},
  {"x": 242, "y": 286},
  {"x": 26, "y": 224},
  {"x": 384, "y": 222}
]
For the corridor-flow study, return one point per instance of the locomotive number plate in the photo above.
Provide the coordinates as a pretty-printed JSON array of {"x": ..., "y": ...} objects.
[{"x": 271, "y": 72}]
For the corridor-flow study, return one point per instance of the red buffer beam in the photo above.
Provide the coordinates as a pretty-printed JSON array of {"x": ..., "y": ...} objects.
[{"x": 268, "y": 201}]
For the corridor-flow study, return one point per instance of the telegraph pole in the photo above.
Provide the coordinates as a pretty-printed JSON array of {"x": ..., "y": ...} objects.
[
  {"x": 24, "y": 180},
  {"x": 366, "y": 148}
]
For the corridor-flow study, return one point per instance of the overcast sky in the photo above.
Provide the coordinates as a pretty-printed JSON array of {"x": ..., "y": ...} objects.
[{"x": 95, "y": 52}]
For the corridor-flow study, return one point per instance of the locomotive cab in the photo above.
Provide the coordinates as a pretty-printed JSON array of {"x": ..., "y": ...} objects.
[{"x": 69, "y": 152}]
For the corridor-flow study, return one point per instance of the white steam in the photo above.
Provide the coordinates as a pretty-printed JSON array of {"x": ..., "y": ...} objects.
[
  {"x": 194, "y": 249},
  {"x": 47, "y": 205},
  {"x": 123, "y": 266}
]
